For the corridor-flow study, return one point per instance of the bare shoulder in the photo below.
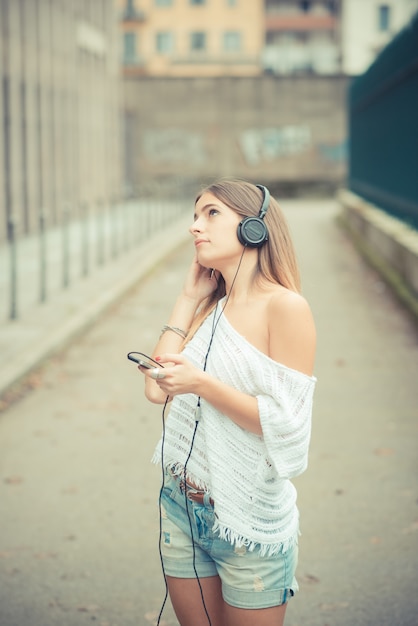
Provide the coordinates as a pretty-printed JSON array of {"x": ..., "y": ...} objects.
[
  {"x": 289, "y": 304},
  {"x": 292, "y": 334}
]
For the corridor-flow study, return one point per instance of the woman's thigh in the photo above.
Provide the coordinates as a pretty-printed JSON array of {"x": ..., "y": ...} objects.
[
  {"x": 232, "y": 583},
  {"x": 197, "y": 602},
  {"x": 204, "y": 606}
]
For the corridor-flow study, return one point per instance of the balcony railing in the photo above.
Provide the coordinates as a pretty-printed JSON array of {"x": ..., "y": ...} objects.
[
  {"x": 300, "y": 22},
  {"x": 204, "y": 58}
]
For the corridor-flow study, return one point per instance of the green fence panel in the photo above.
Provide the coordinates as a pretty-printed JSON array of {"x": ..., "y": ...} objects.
[{"x": 383, "y": 128}]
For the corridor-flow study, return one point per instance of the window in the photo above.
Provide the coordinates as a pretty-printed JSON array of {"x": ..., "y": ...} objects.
[
  {"x": 197, "y": 41},
  {"x": 131, "y": 13},
  {"x": 164, "y": 42},
  {"x": 129, "y": 48},
  {"x": 384, "y": 17},
  {"x": 163, "y": 3},
  {"x": 232, "y": 41},
  {"x": 332, "y": 8}
]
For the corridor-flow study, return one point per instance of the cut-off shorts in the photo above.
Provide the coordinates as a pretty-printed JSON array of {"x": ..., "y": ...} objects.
[{"x": 249, "y": 580}]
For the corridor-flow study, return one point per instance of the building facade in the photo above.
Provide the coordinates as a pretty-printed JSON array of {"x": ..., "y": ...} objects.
[
  {"x": 229, "y": 37},
  {"x": 252, "y": 37},
  {"x": 60, "y": 109},
  {"x": 302, "y": 37},
  {"x": 367, "y": 26},
  {"x": 191, "y": 37}
]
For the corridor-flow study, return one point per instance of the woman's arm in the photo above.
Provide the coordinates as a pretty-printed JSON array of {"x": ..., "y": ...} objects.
[
  {"x": 171, "y": 341},
  {"x": 180, "y": 376},
  {"x": 198, "y": 285}
]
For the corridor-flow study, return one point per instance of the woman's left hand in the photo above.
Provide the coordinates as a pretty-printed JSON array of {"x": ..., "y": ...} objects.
[{"x": 180, "y": 376}]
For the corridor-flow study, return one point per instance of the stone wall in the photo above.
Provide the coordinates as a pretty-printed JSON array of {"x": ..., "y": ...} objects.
[
  {"x": 288, "y": 131},
  {"x": 389, "y": 245}
]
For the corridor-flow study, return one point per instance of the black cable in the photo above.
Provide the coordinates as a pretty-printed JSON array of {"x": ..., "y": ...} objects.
[
  {"x": 198, "y": 411},
  {"x": 160, "y": 516},
  {"x": 215, "y": 324},
  {"x": 186, "y": 500}
]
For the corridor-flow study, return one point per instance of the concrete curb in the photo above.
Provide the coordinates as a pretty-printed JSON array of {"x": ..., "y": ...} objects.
[
  {"x": 57, "y": 331},
  {"x": 388, "y": 244}
]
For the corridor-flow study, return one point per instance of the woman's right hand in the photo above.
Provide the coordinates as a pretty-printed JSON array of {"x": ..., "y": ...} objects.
[{"x": 200, "y": 282}]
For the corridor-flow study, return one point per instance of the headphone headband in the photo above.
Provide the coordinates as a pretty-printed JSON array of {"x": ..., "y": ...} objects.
[{"x": 266, "y": 201}]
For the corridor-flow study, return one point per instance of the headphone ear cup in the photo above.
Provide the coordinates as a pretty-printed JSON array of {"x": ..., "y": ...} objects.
[{"x": 252, "y": 232}]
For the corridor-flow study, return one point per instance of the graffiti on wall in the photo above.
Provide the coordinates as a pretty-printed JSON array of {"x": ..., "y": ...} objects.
[
  {"x": 178, "y": 146},
  {"x": 271, "y": 143},
  {"x": 337, "y": 153},
  {"x": 173, "y": 145}
]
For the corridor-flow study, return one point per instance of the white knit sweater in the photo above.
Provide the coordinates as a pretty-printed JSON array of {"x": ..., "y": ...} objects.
[{"x": 246, "y": 474}]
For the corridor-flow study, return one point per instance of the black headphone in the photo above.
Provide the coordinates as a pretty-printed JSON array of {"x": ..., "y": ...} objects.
[{"x": 252, "y": 231}]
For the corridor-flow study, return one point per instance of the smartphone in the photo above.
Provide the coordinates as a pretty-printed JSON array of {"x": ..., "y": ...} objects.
[{"x": 143, "y": 360}]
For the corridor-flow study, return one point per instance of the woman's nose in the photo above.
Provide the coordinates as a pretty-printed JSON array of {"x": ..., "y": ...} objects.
[{"x": 195, "y": 227}]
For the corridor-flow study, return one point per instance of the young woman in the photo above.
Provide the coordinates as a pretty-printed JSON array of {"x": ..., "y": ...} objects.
[{"x": 238, "y": 356}]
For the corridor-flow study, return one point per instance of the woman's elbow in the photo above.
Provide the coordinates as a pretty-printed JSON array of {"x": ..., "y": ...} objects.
[{"x": 154, "y": 394}]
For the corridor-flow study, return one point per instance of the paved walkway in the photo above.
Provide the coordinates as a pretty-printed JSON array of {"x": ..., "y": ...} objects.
[{"x": 78, "y": 517}]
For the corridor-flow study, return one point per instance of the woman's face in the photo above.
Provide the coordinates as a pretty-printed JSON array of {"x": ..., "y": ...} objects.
[{"x": 215, "y": 232}]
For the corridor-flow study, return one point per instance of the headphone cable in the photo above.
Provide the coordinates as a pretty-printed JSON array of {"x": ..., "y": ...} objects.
[
  {"x": 160, "y": 516},
  {"x": 215, "y": 323},
  {"x": 198, "y": 410}
]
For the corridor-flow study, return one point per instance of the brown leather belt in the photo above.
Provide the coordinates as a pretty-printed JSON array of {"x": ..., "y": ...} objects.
[
  {"x": 192, "y": 493},
  {"x": 197, "y": 496}
]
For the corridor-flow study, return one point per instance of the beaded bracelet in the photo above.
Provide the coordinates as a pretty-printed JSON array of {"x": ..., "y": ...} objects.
[{"x": 175, "y": 329}]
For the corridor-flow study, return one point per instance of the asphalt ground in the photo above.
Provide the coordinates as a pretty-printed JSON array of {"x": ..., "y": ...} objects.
[{"x": 78, "y": 494}]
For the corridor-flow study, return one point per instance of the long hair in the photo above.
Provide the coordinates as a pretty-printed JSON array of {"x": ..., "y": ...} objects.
[{"x": 276, "y": 258}]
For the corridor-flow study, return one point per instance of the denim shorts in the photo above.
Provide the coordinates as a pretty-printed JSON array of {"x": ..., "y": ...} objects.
[{"x": 249, "y": 580}]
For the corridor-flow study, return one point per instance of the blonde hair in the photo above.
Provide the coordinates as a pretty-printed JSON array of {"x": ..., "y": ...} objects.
[{"x": 276, "y": 258}]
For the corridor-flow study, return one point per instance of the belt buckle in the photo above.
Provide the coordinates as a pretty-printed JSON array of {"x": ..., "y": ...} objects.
[
  {"x": 178, "y": 479},
  {"x": 194, "y": 495}
]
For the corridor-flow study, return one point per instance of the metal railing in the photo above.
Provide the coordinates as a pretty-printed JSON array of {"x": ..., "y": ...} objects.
[{"x": 35, "y": 267}]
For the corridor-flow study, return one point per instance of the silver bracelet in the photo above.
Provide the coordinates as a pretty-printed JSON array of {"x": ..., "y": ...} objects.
[{"x": 175, "y": 329}]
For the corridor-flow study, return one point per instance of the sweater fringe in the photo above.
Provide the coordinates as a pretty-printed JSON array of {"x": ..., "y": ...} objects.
[
  {"x": 237, "y": 540},
  {"x": 178, "y": 470},
  {"x": 224, "y": 532}
]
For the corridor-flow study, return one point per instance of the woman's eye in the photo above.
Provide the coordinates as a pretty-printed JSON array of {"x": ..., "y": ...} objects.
[{"x": 213, "y": 212}]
